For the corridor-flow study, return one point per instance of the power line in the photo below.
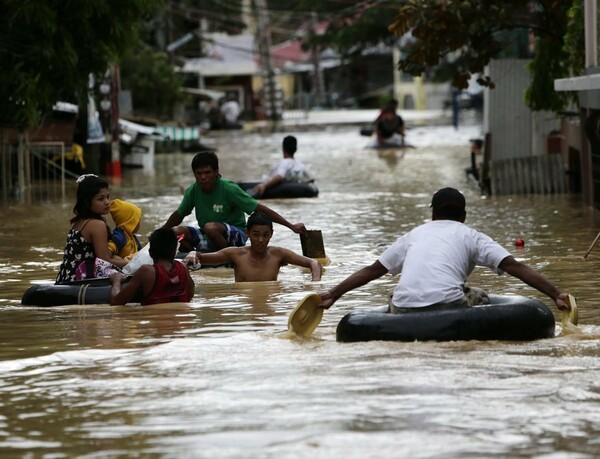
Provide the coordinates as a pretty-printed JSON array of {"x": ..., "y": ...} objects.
[{"x": 241, "y": 8}]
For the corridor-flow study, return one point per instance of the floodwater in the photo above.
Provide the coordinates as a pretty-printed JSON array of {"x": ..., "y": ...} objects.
[{"x": 220, "y": 378}]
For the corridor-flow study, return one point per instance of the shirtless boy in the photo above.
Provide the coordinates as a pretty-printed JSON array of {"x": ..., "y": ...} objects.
[{"x": 258, "y": 262}]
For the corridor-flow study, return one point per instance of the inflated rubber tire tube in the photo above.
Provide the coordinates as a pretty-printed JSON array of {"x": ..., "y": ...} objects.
[
  {"x": 58, "y": 295},
  {"x": 507, "y": 318},
  {"x": 285, "y": 190},
  {"x": 95, "y": 292}
]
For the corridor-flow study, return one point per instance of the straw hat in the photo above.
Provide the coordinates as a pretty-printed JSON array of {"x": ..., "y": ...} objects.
[
  {"x": 572, "y": 315},
  {"x": 306, "y": 316}
]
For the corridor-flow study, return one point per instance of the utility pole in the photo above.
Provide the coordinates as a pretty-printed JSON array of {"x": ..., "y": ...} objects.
[
  {"x": 169, "y": 25},
  {"x": 264, "y": 46},
  {"x": 318, "y": 83},
  {"x": 201, "y": 34}
]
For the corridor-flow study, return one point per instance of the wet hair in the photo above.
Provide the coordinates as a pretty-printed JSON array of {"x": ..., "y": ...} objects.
[
  {"x": 290, "y": 144},
  {"x": 163, "y": 244},
  {"x": 206, "y": 158},
  {"x": 89, "y": 185},
  {"x": 391, "y": 106},
  {"x": 258, "y": 218}
]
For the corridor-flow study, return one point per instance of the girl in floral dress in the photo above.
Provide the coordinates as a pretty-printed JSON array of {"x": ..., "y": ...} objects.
[{"x": 87, "y": 240}]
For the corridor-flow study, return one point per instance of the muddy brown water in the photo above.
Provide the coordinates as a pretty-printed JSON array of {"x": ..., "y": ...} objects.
[{"x": 219, "y": 378}]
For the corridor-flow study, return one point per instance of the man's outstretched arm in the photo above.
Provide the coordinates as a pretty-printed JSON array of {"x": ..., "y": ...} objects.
[
  {"x": 536, "y": 280},
  {"x": 361, "y": 277},
  {"x": 174, "y": 220},
  {"x": 295, "y": 227}
]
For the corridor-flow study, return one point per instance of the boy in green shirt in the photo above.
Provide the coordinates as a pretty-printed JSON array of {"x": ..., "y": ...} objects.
[{"x": 220, "y": 207}]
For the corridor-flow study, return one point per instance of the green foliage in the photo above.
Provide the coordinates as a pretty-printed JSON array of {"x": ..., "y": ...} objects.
[
  {"x": 460, "y": 37},
  {"x": 549, "y": 64},
  {"x": 48, "y": 48},
  {"x": 574, "y": 43},
  {"x": 354, "y": 27},
  {"x": 151, "y": 79},
  {"x": 477, "y": 33}
]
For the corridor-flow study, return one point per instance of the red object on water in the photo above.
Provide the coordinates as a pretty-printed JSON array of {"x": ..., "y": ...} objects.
[
  {"x": 113, "y": 169},
  {"x": 520, "y": 242}
]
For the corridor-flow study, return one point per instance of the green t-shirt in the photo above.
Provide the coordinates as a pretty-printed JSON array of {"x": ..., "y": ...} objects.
[{"x": 227, "y": 203}]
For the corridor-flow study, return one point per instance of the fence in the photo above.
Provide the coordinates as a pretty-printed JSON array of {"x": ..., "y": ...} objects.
[
  {"x": 295, "y": 115},
  {"x": 176, "y": 138},
  {"x": 33, "y": 170},
  {"x": 6, "y": 170},
  {"x": 531, "y": 175}
]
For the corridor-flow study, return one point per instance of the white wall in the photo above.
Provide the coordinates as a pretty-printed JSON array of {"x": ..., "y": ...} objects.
[{"x": 516, "y": 131}]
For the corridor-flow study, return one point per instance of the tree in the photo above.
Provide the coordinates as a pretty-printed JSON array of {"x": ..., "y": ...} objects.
[
  {"x": 355, "y": 26},
  {"x": 472, "y": 31},
  {"x": 153, "y": 83},
  {"x": 48, "y": 49},
  {"x": 464, "y": 35}
]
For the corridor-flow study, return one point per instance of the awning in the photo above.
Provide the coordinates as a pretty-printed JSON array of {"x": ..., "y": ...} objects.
[
  {"x": 205, "y": 94},
  {"x": 130, "y": 131},
  {"x": 65, "y": 107},
  {"x": 226, "y": 55}
]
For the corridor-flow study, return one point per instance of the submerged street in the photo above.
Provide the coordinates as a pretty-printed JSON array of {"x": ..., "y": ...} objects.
[{"x": 220, "y": 378}]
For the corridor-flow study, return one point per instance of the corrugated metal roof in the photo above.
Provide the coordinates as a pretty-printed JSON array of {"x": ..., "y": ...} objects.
[{"x": 226, "y": 55}]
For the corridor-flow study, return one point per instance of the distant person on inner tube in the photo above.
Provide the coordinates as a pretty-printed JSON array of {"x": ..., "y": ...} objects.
[
  {"x": 389, "y": 126},
  {"x": 288, "y": 170},
  {"x": 435, "y": 260}
]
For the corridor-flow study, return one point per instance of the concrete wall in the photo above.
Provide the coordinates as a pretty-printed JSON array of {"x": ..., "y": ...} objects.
[
  {"x": 437, "y": 95},
  {"x": 506, "y": 116},
  {"x": 516, "y": 131}
]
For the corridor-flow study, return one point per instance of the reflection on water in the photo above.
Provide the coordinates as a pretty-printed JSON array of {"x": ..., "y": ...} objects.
[{"x": 212, "y": 379}]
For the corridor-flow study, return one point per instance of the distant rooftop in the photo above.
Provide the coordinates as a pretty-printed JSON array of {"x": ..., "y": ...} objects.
[{"x": 226, "y": 55}]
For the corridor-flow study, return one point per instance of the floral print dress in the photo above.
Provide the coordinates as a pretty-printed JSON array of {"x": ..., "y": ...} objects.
[{"x": 77, "y": 249}]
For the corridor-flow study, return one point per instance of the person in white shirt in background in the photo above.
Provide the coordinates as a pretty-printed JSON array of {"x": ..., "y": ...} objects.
[
  {"x": 230, "y": 111},
  {"x": 288, "y": 169}
]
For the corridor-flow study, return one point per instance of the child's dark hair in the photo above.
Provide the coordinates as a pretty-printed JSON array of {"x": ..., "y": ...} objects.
[
  {"x": 290, "y": 144},
  {"x": 206, "y": 158},
  {"x": 258, "y": 218},
  {"x": 163, "y": 244},
  {"x": 88, "y": 187}
]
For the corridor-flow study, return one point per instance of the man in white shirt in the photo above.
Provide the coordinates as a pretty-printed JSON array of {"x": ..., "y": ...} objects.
[
  {"x": 231, "y": 112},
  {"x": 288, "y": 169},
  {"x": 435, "y": 260}
]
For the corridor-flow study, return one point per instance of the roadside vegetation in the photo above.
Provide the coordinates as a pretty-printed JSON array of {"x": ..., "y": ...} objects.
[{"x": 48, "y": 49}]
